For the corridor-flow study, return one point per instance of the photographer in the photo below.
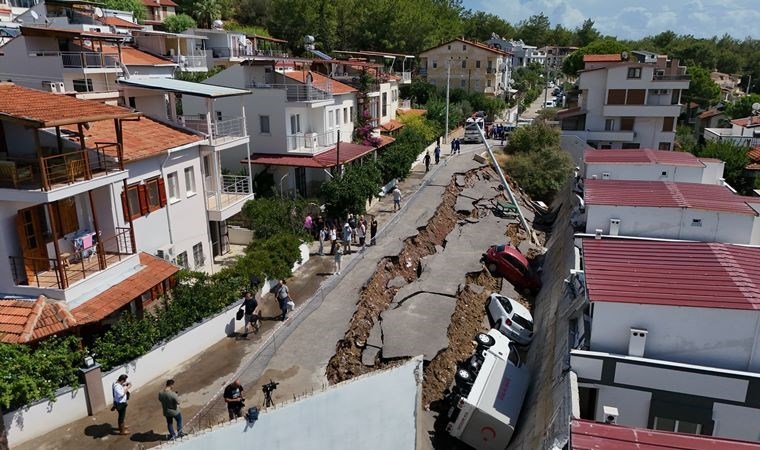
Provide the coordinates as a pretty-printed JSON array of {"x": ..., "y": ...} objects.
[
  {"x": 233, "y": 396},
  {"x": 120, "y": 391}
]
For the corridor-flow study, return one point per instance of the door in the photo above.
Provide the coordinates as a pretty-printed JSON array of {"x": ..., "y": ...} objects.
[
  {"x": 32, "y": 241},
  {"x": 301, "y": 181}
]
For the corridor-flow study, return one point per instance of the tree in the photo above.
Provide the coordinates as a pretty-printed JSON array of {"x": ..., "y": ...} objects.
[
  {"x": 535, "y": 136},
  {"x": 135, "y": 6},
  {"x": 574, "y": 61},
  {"x": 348, "y": 193},
  {"x": 735, "y": 158},
  {"x": 480, "y": 26},
  {"x": 419, "y": 92},
  {"x": 586, "y": 33},
  {"x": 270, "y": 216},
  {"x": 702, "y": 89},
  {"x": 179, "y": 23},
  {"x": 535, "y": 30},
  {"x": 685, "y": 140},
  {"x": 742, "y": 107},
  {"x": 206, "y": 12},
  {"x": 541, "y": 172}
]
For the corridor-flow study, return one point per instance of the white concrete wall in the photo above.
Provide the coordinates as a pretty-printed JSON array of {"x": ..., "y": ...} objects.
[
  {"x": 713, "y": 172},
  {"x": 648, "y": 172},
  {"x": 30, "y": 71},
  {"x": 239, "y": 235},
  {"x": 672, "y": 223},
  {"x": 714, "y": 337},
  {"x": 632, "y": 405},
  {"x": 736, "y": 422}
]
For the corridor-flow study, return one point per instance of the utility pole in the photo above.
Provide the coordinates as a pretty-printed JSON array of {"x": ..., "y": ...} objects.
[
  {"x": 448, "y": 81},
  {"x": 546, "y": 82}
]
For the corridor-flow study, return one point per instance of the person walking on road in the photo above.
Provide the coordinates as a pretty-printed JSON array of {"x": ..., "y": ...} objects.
[
  {"x": 283, "y": 297},
  {"x": 347, "y": 233},
  {"x": 333, "y": 239},
  {"x": 437, "y": 152},
  {"x": 322, "y": 236},
  {"x": 120, "y": 390},
  {"x": 396, "y": 198},
  {"x": 233, "y": 397},
  {"x": 170, "y": 406},
  {"x": 459, "y": 146},
  {"x": 427, "y": 162},
  {"x": 361, "y": 231},
  {"x": 338, "y": 257},
  {"x": 250, "y": 306},
  {"x": 372, "y": 231}
]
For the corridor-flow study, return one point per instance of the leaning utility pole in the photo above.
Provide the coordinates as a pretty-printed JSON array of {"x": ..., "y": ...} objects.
[{"x": 448, "y": 81}]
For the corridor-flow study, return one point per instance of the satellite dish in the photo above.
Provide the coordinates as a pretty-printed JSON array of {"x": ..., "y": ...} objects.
[
  {"x": 308, "y": 39},
  {"x": 34, "y": 15},
  {"x": 98, "y": 12},
  {"x": 756, "y": 106},
  {"x": 624, "y": 56},
  {"x": 218, "y": 24}
]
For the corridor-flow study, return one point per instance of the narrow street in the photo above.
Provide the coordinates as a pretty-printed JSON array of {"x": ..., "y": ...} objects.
[{"x": 537, "y": 105}]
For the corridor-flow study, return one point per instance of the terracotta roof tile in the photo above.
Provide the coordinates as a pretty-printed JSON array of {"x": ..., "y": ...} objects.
[
  {"x": 157, "y": 3},
  {"x": 473, "y": 43},
  {"x": 751, "y": 121},
  {"x": 46, "y": 109},
  {"x": 328, "y": 158},
  {"x": 412, "y": 112},
  {"x": 131, "y": 56},
  {"x": 710, "y": 113},
  {"x": 319, "y": 80},
  {"x": 602, "y": 58},
  {"x": 392, "y": 125},
  {"x": 24, "y": 320},
  {"x": 118, "y": 22},
  {"x": 155, "y": 270}
]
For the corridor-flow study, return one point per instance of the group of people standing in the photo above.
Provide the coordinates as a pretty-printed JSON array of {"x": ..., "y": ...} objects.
[{"x": 355, "y": 230}]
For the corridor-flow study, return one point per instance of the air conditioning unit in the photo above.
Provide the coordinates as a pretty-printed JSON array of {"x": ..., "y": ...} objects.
[
  {"x": 311, "y": 140},
  {"x": 53, "y": 86},
  {"x": 166, "y": 252}
]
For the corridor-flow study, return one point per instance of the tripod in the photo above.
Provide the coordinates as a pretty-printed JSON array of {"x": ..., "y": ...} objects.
[{"x": 268, "y": 399}]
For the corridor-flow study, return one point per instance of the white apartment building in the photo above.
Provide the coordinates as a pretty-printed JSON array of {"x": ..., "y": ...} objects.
[
  {"x": 158, "y": 11},
  {"x": 668, "y": 210},
  {"x": 651, "y": 165},
  {"x": 61, "y": 224},
  {"x": 521, "y": 53},
  {"x": 555, "y": 56},
  {"x": 666, "y": 332},
  {"x": 626, "y": 103}
]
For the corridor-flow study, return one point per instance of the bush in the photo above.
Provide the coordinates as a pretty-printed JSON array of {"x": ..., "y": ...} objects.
[
  {"x": 541, "y": 172},
  {"x": 538, "y": 135},
  {"x": 179, "y": 23},
  {"x": 270, "y": 216},
  {"x": 349, "y": 193}
]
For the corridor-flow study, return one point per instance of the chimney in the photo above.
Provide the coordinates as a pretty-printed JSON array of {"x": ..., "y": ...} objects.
[
  {"x": 614, "y": 227},
  {"x": 636, "y": 342},
  {"x": 610, "y": 415}
]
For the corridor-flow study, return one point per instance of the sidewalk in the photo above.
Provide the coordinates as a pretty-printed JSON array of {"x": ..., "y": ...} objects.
[{"x": 199, "y": 379}]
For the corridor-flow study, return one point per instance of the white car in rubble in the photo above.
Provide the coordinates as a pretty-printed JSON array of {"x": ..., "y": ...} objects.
[{"x": 511, "y": 318}]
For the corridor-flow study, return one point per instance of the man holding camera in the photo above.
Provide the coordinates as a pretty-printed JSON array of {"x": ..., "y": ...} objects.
[
  {"x": 233, "y": 396},
  {"x": 120, "y": 391}
]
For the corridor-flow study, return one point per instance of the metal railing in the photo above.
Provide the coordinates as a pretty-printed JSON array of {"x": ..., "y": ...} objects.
[
  {"x": 233, "y": 189},
  {"x": 406, "y": 77},
  {"x": 88, "y": 60},
  {"x": 220, "y": 129},
  {"x": 311, "y": 141},
  {"x": 63, "y": 270},
  {"x": 299, "y": 92},
  {"x": 664, "y": 77},
  {"x": 191, "y": 61}
]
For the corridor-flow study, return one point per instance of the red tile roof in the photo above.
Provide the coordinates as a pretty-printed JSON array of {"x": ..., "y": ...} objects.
[
  {"x": 328, "y": 158},
  {"x": 142, "y": 138},
  {"x": 319, "y": 80},
  {"x": 392, "y": 125},
  {"x": 570, "y": 112},
  {"x": 602, "y": 58},
  {"x": 666, "y": 194},
  {"x": 710, "y": 113},
  {"x": 155, "y": 270},
  {"x": 131, "y": 56},
  {"x": 751, "y": 121},
  {"x": 118, "y": 22},
  {"x": 412, "y": 112},
  {"x": 23, "y": 321},
  {"x": 158, "y": 3},
  {"x": 45, "y": 109},
  {"x": 474, "y": 44},
  {"x": 644, "y": 156},
  {"x": 673, "y": 273}
]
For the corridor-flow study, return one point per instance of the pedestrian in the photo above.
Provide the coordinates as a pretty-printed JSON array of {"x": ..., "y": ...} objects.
[
  {"x": 396, "y": 198},
  {"x": 120, "y": 390},
  {"x": 437, "y": 152},
  {"x": 322, "y": 236},
  {"x": 250, "y": 306},
  {"x": 347, "y": 233},
  {"x": 372, "y": 231},
  {"x": 338, "y": 257},
  {"x": 283, "y": 297},
  {"x": 233, "y": 397},
  {"x": 308, "y": 224},
  {"x": 352, "y": 224},
  {"x": 333, "y": 239},
  {"x": 320, "y": 223},
  {"x": 361, "y": 231},
  {"x": 427, "y": 162},
  {"x": 170, "y": 406}
]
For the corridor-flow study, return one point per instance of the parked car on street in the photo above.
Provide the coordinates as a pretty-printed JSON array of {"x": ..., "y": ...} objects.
[
  {"x": 507, "y": 261},
  {"x": 550, "y": 104},
  {"x": 511, "y": 318}
]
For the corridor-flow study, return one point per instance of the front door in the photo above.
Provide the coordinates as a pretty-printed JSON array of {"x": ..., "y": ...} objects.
[{"x": 32, "y": 240}]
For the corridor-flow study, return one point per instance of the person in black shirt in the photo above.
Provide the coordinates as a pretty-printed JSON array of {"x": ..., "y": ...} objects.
[
  {"x": 251, "y": 318},
  {"x": 233, "y": 396}
]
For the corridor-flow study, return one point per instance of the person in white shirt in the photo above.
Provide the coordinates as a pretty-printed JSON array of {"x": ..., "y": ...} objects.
[
  {"x": 120, "y": 390},
  {"x": 396, "y": 199}
]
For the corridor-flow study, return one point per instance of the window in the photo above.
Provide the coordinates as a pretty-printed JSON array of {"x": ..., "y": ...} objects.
[
  {"x": 84, "y": 85},
  {"x": 198, "y": 259},
  {"x": 141, "y": 199},
  {"x": 189, "y": 181},
  {"x": 295, "y": 123},
  {"x": 435, "y": 64},
  {"x": 477, "y": 64},
  {"x": 133, "y": 201},
  {"x": 634, "y": 72},
  {"x": 345, "y": 115},
  {"x": 630, "y": 146},
  {"x": 206, "y": 165},
  {"x": 173, "y": 186},
  {"x": 182, "y": 260},
  {"x": 330, "y": 119},
  {"x": 384, "y": 106},
  {"x": 264, "y": 125},
  {"x": 626, "y": 123},
  {"x": 675, "y": 97},
  {"x": 696, "y": 222},
  {"x": 132, "y": 103},
  {"x": 337, "y": 117},
  {"x": 678, "y": 426},
  {"x": 155, "y": 195},
  {"x": 449, "y": 47},
  {"x": 67, "y": 215},
  {"x": 616, "y": 96},
  {"x": 664, "y": 173},
  {"x": 464, "y": 47},
  {"x": 664, "y": 146},
  {"x": 489, "y": 82},
  {"x": 636, "y": 96},
  {"x": 351, "y": 114},
  {"x": 667, "y": 123},
  {"x": 464, "y": 64},
  {"x": 462, "y": 83},
  {"x": 609, "y": 124},
  {"x": 218, "y": 115}
]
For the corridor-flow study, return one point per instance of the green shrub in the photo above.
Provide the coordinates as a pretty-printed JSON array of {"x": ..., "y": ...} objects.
[
  {"x": 541, "y": 172},
  {"x": 538, "y": 135}
]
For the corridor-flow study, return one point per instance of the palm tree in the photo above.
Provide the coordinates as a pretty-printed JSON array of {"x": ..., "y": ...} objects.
[{"x": 206, "y": 12}]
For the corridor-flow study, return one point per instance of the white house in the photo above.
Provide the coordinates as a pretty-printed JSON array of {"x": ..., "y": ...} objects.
[
  {"x": 664, "y": 209},
  {"x": 187, "y": 50},
  {"x": 522, "y": 53},
  {"x": 667, "y": 334},
  {"x": 652, "y": 165},
  {"x": 625, "y": 103},
  {"x": 744, "y": 132}
]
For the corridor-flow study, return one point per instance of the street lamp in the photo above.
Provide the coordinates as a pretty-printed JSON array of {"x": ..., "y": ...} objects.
[{"x": 281, "y": 180}]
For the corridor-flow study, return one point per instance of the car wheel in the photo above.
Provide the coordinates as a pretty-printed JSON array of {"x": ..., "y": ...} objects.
[
  {"x": 491, "y": 267},
  {"x": 484, "y": 340},
  {"x": 463, "y": 376}
]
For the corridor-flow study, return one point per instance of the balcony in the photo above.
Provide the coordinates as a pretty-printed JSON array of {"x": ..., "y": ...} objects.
[
  {"x": 227, "y": 201},
  {"x": 405, "y": 77},
  {"x": 310, "y": 142},
  {"x": 641, "y": 110},
  {"x": 68, "y": 268},
  {"x": 86, "y": 61},
  {"x": 664, "y": 77},
  {"x": 222, "y": 131},
  {"x": 299, "y": 92},
  {"x": 194, "y": 63},
  {"x": 601, "y": 135}
]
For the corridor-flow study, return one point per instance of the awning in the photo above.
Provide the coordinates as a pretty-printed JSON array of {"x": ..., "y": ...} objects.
[
  {"x": 571, "y": 112},
  {"x": 183, "y": 87},
  {"x": 329, "y": 158}
]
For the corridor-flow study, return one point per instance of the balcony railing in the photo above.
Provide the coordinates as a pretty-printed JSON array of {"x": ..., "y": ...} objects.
[
  {"x": 89, "y": 60},
  {"x": 54, "y": 171},
  {"x": 233, "y": 189},
  {"x": 190, "y": 61},
  {"x": 405, "y": 77},
  {"x": 67, "y": 269},
  {"x": 310, "y": 141},
  {"x": 299, "y": 92},
  {"x": 221, "y": 130},
  {"x": 663, "y": 77}
]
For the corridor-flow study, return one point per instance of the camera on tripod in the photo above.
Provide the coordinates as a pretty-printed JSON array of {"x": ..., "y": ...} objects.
[{"x": 267, "y": 389}]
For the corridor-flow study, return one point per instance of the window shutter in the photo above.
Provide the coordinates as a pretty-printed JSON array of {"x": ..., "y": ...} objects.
[
  {"x": 124, "y": 206},
  {"x": 161, "y": 192},
  {"x": 143, "y": 195}
]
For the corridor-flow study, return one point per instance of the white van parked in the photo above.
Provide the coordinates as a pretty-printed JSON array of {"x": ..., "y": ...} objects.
[{"x": 488, "y": 395}]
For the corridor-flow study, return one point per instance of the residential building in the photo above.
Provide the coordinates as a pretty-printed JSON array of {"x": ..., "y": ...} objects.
[
  {"x": 624, "y": 103},
  {"x": 473, "y": 66},
  {"x": 61, "y": 228},
  {"x": 744, "y": 132},
  {"x": 199, "y": 169},
  {"x": 158, "y": 11},
  {"x": 119, "y": 22},
  {"x": 652, "y": 165},
  {"x": 730, "y": 85},
  {"x": 187, "y": 50},
  {"x": 710, "y": 118},
  {"x": 521, "y": 53},
  {"x": 396, "y": 64},
  {"x": 555, "y": 56},
  {"x": 668, "y": 210},
  {"x": 224, "y": 48},
  {"x": 665, "y": 332},
  {"x": 6, "y": 12}
]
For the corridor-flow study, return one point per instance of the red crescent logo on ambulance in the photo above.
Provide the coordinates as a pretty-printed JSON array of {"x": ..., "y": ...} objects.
[{"x": 488, "y": 430}]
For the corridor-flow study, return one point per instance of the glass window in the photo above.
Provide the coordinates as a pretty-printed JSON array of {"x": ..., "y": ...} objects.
[
  {"x": 435, "y": 64},
  {"x": 664, "y": 424},
  {"x": 264, "y": 125},
  {"x": 385, "y": 104},
  {"x": 506, "y": 304},
  {"x": 198, "y": 258},
  {"x": 609, "y": 124},
  {"x": 182, "y": 260},
  {"x": 667, "y": 123},
  {"x": 133, "y": 199},
  {"x": 664, "y": 146},
  {"x": 295, "y": 123},
  {"x": 154, "y": 199},
  {"x": 337, "y": 117},
  {"x": 616, "y": 97},
  {"x": 636, "y": 96},
  {"x": 634, "y": 72},
  {"x": 513, "y": 356},
  {"x": 330, "y": 119},
  {"x": 464, "y": 64},
  {"x": 523, "y": 322},
  {"x": 345, "y": 115},
  {"x": 189, "y": 181},
  {"x": 626, "y": 123},
  {"x": 173, "y": 186},
  {"x": 477, "y": 64},
  {"x": 462, "y": 83}
]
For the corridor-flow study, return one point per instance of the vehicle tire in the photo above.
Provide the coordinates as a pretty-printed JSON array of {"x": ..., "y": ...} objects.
[
  {"x": 464, "y": 376},
  {"x": 491, "y": 267},
  {"x": 484, "y": 340}
]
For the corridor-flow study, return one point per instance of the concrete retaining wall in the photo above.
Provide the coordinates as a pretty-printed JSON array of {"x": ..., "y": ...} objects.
[{"x": 239, "y": 235}]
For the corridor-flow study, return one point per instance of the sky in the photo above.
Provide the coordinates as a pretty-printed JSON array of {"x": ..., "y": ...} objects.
[{"x": 633, "y": 19}]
